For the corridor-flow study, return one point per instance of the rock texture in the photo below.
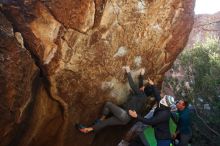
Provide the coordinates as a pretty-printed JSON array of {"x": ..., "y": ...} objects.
[
  {"x": 79, "y": 47},
  {"x": 17, "y": 74},
  {"x": 205, "y": 26}
]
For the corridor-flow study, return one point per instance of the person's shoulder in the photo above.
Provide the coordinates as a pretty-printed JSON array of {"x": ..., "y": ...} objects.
[
  {"x": 186, "y": 110},
  {"x": 166, "y": 111}
]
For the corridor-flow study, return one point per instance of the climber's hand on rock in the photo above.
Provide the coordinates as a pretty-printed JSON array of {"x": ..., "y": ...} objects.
[
  {"x": 142, "y": 71},
  {"x": 126, "y": 68}
]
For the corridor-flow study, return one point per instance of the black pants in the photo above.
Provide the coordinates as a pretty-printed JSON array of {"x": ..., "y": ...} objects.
[{"x": 120, "y": 116}]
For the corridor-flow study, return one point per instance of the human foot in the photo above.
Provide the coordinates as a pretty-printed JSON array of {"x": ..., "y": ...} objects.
[
  {"x": 83, "y": 128},
  {"x": 86, "y": 130}
]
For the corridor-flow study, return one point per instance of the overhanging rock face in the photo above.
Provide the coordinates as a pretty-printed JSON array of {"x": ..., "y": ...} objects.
[{"x": 80, "y": 48}]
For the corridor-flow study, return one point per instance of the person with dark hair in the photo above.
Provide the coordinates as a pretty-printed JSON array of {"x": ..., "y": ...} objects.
[
  {"x": 184, "y": 131},
  {"x": 160, "y": 120},
  {"x": 120, "y": 115}
]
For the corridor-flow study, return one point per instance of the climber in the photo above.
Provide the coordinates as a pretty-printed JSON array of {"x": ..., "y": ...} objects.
[
  {"x": 160, "y": 120},
  {"x": 120, "y": 114},
  {"x": 184, "y": 131}
]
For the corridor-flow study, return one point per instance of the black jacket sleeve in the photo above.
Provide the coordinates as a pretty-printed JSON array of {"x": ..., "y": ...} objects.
[
  {"x": 162, "y": 116},
  {"x": 156, "y": 93},
  {"x": 132, "y": 84},
  {"x": 141, "y": 81}
]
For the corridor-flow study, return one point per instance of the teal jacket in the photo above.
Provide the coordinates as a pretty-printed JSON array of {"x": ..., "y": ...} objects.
[{"x": 184, "y": 122}]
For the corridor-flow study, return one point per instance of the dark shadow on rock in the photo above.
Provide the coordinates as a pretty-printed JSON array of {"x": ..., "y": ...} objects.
[{"x": 22, "y": 127}]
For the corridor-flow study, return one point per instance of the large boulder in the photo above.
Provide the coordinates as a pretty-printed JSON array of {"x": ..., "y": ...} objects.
[{"x": 80, "y": 48}]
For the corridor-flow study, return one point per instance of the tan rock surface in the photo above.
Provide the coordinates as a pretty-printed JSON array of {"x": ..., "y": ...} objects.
[{"x": 80, "y": 48}]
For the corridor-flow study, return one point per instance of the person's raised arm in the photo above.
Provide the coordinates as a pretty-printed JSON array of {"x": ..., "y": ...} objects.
[
  {"x": 130, "y": 80},
  {"x": 155, "y": 90},
  {"x": 141, "y": 78},
  {"x": 152, "y": 121}
]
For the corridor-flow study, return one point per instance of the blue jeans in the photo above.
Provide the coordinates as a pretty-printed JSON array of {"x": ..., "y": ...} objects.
[{"x": 163, "y": 142}]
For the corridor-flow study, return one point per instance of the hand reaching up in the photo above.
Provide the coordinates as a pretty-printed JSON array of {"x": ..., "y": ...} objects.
[
  {"x": 142, "y": 71},
  {"x": 127, "y": 69}
]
